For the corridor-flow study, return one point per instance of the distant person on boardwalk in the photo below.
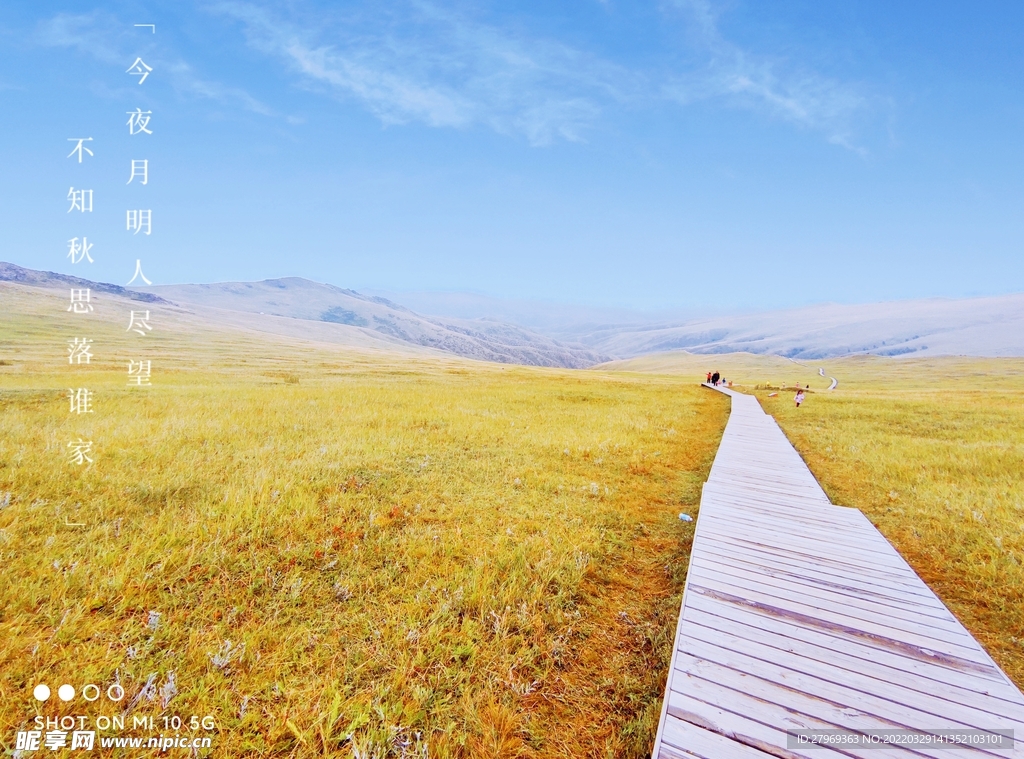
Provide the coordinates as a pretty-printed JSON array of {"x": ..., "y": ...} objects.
[
  {"x": 714, "y": 378},
  {"x": 799, "y": 397},
  {"x": 709, "y": 378}
]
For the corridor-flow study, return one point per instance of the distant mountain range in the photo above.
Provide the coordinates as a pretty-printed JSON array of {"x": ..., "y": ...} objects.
[
  {"x": 33, "y": 278},
  {"x": 524, "y": 332},
  {"x": 353, "y": 318},
  {"x": 550, "y": 318},
  {"x": 990, "y": 326}
]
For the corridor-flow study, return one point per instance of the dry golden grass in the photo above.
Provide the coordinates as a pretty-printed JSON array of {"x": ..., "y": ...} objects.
[
  {"x": 931, "y": 450},
  {"x": 404, "y": 553}
]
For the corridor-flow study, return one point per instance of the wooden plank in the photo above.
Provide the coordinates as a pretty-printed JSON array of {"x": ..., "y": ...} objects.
[
  {"x": 740, "y": 473},
  {"x": 699, "y": 640},
  {"x": 727, "y": 544},
  {"x": 869, "y": 625},
  {"x": 719, "y": 493},
  {"x": 799, "y": 546},
  {"x": 783, "y": 529},
  {"x": 847, "y": 600},
  {"x": 891, "y": 584},
  {"x": 813, "y": 579},
  {"x": 772, "y": 487},
  {"x": 736, "y": 715},
  {"x": 925, "y": 616},
  {"x": 811, "y": 507},
  {"x": 724, "y": 543},
  {"x": 781, "y": 693},
  {"x": 799, "y": 526},
  {"x": 749, "y": 489},
  {"x": 859, "y": 652},
  {"x": 749, "y": 466},
  {"x": 667, "y": 752},
  {"x": 771, "y": 510},
  {"x": 732, "y": 520},
  {"x": 704, "y": 744}
]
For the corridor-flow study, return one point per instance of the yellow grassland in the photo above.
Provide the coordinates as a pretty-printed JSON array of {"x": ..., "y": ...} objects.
[
  {"x": 351, "y": 553},
  {"x": 931, "y": 450}
]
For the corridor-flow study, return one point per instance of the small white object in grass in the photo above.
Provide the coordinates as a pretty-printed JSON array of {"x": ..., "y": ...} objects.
[
  {"x": 686, "y": 517},
  {"x": 341, "y": 592},
  {"x": 169, "y": 691},
  {"x": 154, "y": 620},
  {"x": 226, "y": 654},
  {"x": 772, "y": 395}
]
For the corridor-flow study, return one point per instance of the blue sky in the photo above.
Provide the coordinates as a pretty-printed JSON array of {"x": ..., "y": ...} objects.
[{"x": 668, "y": 154}]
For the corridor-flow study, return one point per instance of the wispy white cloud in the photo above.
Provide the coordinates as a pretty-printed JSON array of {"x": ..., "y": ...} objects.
[
  {"x": 772, "y": 85},
  {"x": 412, "y": 61},
  {"x": 185, "y": 80},
  {"x": 88, "y": 33},
  {"x": 445, "y": 70},
  {"x": 91, "y": 34}
]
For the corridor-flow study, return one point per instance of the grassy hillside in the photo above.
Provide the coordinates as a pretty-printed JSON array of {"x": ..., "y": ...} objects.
[
  {"x": 931, "y": 450},
  {"x": 341, "y": 552}
]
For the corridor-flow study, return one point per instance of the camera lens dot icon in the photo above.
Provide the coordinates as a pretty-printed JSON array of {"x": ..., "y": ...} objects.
[
  {"x": 41, "y": 692},
  {"x": 66, "y": 692}
]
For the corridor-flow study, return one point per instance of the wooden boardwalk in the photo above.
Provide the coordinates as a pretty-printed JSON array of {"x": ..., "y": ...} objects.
[{"x": 799, "y": 615}]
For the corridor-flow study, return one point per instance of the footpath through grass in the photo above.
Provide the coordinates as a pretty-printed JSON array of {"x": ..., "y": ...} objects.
[
  {"x": 931, "y": 450},
  {"x": 347, "y": 554}
]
